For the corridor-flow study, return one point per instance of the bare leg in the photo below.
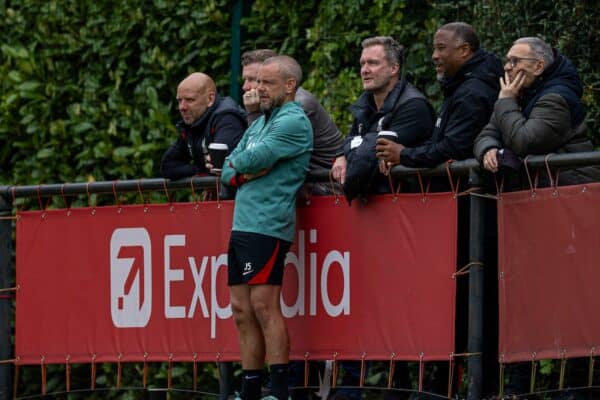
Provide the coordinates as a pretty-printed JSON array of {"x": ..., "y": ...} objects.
[
  {"x": 267, "y": 310},
  {"x": 252, "y": 343}
]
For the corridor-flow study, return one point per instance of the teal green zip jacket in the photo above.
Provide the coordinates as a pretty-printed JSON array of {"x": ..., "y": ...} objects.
[{"x": 268, "y": 166}]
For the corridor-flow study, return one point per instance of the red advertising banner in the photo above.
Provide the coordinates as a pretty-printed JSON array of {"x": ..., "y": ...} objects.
[
  {"x": 149, "y": 282},
  {"x": 549, "y": 254}
]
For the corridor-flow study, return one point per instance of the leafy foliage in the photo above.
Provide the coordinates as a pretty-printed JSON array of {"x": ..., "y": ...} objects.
[{"x": 87, "y": 87}]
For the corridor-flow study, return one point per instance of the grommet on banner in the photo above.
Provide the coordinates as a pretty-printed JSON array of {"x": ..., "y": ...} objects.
[
  {"x": 453, "y": 187},
  {"x": 194, "y": 372},
  {"x": 68, "y": 373},
  {"x": 145, "y": 371},
  {"x": 43, "y": 374},
  {"x": 533, "y": 372},
  {"x": 93, "y": 372},
  {"x": 532, "y": 184},
  {"x": 334, "y": 375},
  {"x": 361, "y": 382},
  {"x": 306, "y": 369},
  {"x": 591, "y": 367},
  {"x": 170, "y": 372},
  {"x": 391, "y": 370},
  {"x": 119, "y": 371},
  {"x": 421, "y": 371}
]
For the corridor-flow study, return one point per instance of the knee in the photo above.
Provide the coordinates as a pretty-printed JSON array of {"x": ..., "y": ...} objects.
[
  {"x": 263, "y": 311},
  {"x": 242, "y": 312}
]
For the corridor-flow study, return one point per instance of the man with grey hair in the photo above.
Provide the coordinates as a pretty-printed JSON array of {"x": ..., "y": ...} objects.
[
  {"x": 538, "y": 111},
  {"x": 268, "y": 168},
  {"x": 326, "y": 136},
  {"x": 389, "y": 103}
]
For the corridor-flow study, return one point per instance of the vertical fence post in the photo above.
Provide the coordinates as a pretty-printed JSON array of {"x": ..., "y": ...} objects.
[
  {"x": 476, "y": 289},
  {"x": 6, "y": 314}
]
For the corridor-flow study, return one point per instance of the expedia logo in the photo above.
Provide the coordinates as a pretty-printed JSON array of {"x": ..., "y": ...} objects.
[{"x": 130, "y": 277}]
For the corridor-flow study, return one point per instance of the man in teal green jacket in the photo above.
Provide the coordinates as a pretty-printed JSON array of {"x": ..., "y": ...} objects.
[{"x": 268, "y": 167}]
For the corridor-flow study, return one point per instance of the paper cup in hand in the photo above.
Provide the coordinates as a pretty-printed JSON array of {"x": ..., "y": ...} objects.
[
  {"x": 389, "y": 135},
  {"x": 217, "y": 152}
]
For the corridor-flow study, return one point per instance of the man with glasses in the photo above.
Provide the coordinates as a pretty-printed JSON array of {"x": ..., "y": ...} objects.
[{"x": 538, "y": 111}]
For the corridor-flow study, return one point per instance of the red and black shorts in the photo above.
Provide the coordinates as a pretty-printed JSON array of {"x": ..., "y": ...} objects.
[{"x": 256, "y": 259}]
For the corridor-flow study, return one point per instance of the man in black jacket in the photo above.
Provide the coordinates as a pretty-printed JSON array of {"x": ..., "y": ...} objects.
[
  {"x": 389, "y": 103},
  {"x": 206, "y": 118},
  {"x": 469, "y": 78}
]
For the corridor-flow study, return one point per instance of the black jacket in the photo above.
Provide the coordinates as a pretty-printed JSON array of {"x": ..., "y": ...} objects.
[
  {"x": 223, "y": 122},
  {"x": 469, "y": 98},
  {"x": 405, "y": 111}
]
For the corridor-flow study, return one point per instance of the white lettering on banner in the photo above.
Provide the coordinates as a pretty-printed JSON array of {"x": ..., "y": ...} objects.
[
  {"x": 131, "y": 284},
  {"x": 172, "y": 275},
  {"x": 130, "y": 278},
  {"x": 298, "y": 262}
]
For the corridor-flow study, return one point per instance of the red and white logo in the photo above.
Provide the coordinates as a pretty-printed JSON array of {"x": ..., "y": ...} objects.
[{"x": 130, "y": 277}]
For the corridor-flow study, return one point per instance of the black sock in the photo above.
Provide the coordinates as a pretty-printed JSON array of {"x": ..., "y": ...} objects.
[
  {"x": 252, "y": 384},
  {"x": 279, "y": 380}
]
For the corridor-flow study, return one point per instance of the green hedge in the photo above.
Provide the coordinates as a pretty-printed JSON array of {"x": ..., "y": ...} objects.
[{"x": 87, "y": 87}]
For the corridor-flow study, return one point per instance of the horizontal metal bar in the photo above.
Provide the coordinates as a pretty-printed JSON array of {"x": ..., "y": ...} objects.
[{"x": 203, "y": 182}]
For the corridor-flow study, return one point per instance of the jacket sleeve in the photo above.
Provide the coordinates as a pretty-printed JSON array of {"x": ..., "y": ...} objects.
[
  {"x": 466, "y": 117},
  {"x": 175, "y": 163},
  {"x": 489, "y": 138},
  {"x": 288, "y": 136},
  {"x": 543, "y": 132},
  {"x": 229, "y": 129},
  {"x": 413, "y": 122}
]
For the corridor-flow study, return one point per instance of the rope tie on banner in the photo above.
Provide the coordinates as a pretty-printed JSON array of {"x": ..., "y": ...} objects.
[
  {"x": 421, "y": 371},
  {"x": 391, "y": 370},
  {"x": 68, "y": 373},
  {"x": 167, "y": 194},
  {"x": 12, "y": 289},
  {"x": 43, "y": 374},
  {"x": 335, "y": 193},
  {"x": 114, "y": 189},
  {"x": 141, "y": 193},
  {"x": 93, "y": 372},
  {"x": 170, "y": 372},
  {"x": 361, "y": 382},
  {"x": 453, "y": 187},
  {"x": 550, "y": 177},
  {"x": 306, "y": 368},
  {"x": 195, "y": 196},
  {"x": 10, "y": 217},
  {"x": 65, "y": 200},
  {"x": 218, "y": 185},
  {"x": 334, "y": 375},
  {"x": 119, "y": 371},
  {"x": 591, "y": 367},
  {"x": 194, "y": 371},
  {"x": 464, "y": 271},
  {"x": 450, "y": 375},
  {"x": 533, "y": 372},
  {"x": 39, "y": 196},
  {"x": 424, "y": 191},
  {"x": 145, "y": 371},
  {"x": 563, "y": 367},
  {"x": 532, "y": 184},
  {"x": 499, "y": 187}
]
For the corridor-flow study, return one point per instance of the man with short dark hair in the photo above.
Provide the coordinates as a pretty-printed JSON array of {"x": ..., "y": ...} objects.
[
  {"x": 388, "y": 103},
  {"x": 538, "y": 111},
  {"x": 469, "y": 78},
  {"x": 206, "y": 118},
  {"x": 268, "y": 168},
  {"x": 326, "y": 136}
]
